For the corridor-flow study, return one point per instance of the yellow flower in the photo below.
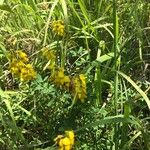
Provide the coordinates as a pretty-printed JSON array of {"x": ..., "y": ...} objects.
[
  {"x": 58, "y": 27},
  {"x": 60, "y": 73},
  {"x": 22, "y": 56},
  {"x": 70, "y": 135},
  {"x": 24, "y": 74},
  {"x": 67, "y": 147},
  {"x": 14, "y": 70},
  {"x": 19, "y": 68},
  {"x": 15, "y": 66},
  {"x": 60, "y": 79},
  {"x": 82, "y": 79},
  {"x": 58, "y": 140},
  {"x": 65, "y": 142},
  {"x": 67, "y": 82},
  {"x": 79, "y": 89},
  {"x": 27, "y": 73},
  {"x": 20, "y": 64}
]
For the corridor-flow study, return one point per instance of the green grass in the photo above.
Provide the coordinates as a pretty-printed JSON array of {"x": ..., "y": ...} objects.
[{"x": 108, "y": 41}]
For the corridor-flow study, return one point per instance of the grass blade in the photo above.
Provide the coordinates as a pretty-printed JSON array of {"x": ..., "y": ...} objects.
[{"x": 141, "y": 92}]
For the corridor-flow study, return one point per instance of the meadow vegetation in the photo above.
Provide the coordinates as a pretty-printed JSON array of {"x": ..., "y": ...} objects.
[{"x": 74, "y": 74}]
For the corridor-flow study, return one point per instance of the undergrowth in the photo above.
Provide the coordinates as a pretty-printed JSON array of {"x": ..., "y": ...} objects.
[{"x": 74, "y": 74}]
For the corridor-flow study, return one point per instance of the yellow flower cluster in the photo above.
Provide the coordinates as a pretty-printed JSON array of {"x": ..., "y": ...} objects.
[
  {"x": 77, "y": 85},
  {"x": 58, "y": 27},
  {"x": 79, "y": 89},
  {"x": 50, "y": 56},
  {"x": 22, "y": 56},
  {"x": 20, "y": 67},
  {"x": 65, "y": 142},
  {"x": 60, "y": 79}
]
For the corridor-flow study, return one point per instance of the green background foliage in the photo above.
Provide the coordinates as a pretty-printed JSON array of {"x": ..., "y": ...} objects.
[{"x": 108, "y": 41}]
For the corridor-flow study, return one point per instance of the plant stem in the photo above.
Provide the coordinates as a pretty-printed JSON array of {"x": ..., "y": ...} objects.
[{"x": 115, "y": 28}]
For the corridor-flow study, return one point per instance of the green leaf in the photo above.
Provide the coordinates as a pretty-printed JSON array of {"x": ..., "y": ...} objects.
[
  {"x": 84, "y": 11},
  {"x": 105, "y": 57},
  {"x": 111, "y": 120},
  {"x": 64, "y": 7}
]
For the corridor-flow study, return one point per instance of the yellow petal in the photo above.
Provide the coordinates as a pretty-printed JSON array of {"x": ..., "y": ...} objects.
[
  {"x": 66, "y": 79},
  {"x": 67, "y": 147},
  {"x": 70, "y": 135},
  {"x": 66, "y": 141}
]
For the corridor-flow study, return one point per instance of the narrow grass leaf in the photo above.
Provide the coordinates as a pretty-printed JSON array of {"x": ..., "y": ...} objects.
[
  {"x": 111, "y": 120},
  {"x": 48, "y": 21},
  {"x": 142, "y": 93},
  {"x": 127, "y": 145},
  {"x": 83, "y": 9},
  {"x": 24, "y": 110},
  {"x": 64, "y": 7}
]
